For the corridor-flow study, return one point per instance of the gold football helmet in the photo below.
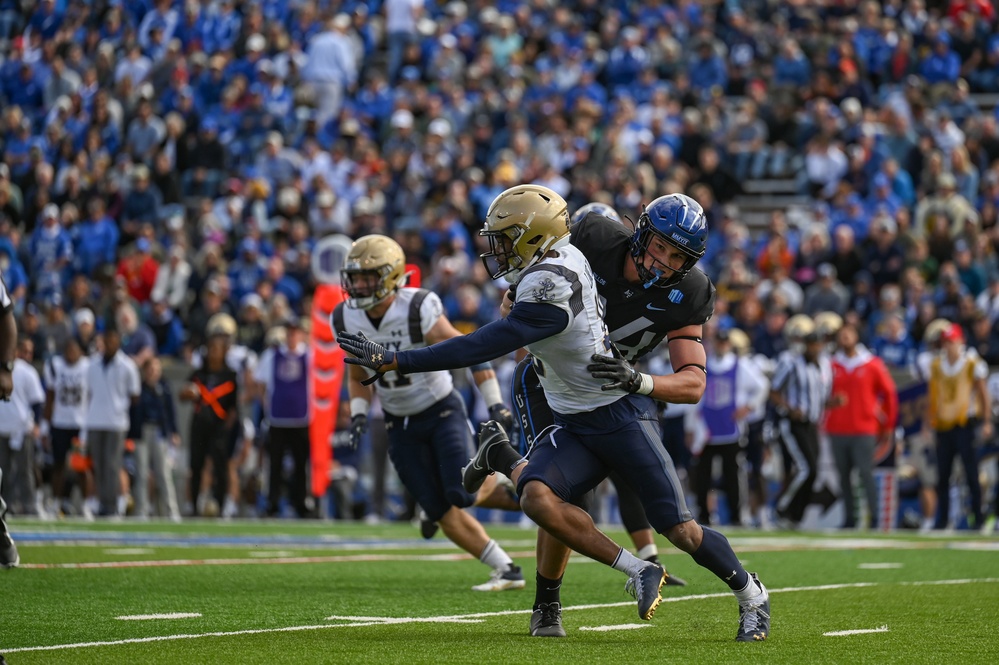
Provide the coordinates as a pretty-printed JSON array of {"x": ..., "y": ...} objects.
[
  {"x": 740, "y": 341},
  {"x": 934, "y": 329},
  {"x": 375, "y": 268},
  {"x": 221, "y": 324},
  {"x": 523, "y": 223},
  {"x": 798, "y": 327},
  {"x": 827, "y": 324}
]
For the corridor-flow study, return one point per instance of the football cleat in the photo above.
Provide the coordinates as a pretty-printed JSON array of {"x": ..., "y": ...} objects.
[
  {"x": 477, "y": 470},
  {"x": 546, "y": 621},
  {"x": 502, "y": 580},
  {"x": 428, "y": 528},
  {"x": 754, "y": 616},
  {"x": 670, "y": 579},
  {"x": 9, "y": 558},
  {"x": 645, "y": 586}
]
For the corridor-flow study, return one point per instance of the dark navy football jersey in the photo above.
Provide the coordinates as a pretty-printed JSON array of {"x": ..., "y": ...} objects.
[{"x": 638, "y": 318}]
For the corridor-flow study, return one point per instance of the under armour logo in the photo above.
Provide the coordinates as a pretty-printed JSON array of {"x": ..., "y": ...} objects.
[
  {"x": 727, "y": 579},
  {"x": 376, "y": 358},
  {"x": 628, "y": 293}
]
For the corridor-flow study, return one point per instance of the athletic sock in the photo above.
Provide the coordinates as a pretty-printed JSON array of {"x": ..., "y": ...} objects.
[
  {"x": 547, "y": 590},
  {"x": 648, "y": 552},
  {"x": 715, "y": 554},
  {"x": 503, "y": 458},
  {"x": 749, "y": 592},
  {"x": 628, "y": 563},
  {"x": 495, "y": 557}
]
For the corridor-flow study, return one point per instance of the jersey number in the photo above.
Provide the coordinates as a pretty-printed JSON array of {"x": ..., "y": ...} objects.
[{"x": 400, "y": 381}]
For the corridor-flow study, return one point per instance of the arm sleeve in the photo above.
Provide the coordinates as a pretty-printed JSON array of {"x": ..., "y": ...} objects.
[
  {"x": 527, "y": 323},
  {"x": 783, "y": 370}
]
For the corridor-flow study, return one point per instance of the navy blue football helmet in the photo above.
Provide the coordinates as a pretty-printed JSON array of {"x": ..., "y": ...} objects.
[
  {"x": 677, "y": 220},
  {"x": 599, "y": 208}
]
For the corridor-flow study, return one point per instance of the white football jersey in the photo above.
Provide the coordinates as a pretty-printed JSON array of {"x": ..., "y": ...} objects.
[
  {"x": 566, "y": 281},
  {"x": 69, "y": 385},
  {"x": 406, "y": 322}
]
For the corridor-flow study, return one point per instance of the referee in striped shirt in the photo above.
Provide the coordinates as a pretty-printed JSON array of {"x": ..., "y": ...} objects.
[{"x": 800, "y": 391}]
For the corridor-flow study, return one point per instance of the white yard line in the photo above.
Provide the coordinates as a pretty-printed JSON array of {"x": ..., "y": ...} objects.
[
  {"x": 620, "y": 626},
  {"x": 128, "y": 551},
  {"x": 153, "y": 617},
  {"x": 858, "y": 631},
  {"x": 360, "y": 622},
  {"x": 879, "y": 566}
]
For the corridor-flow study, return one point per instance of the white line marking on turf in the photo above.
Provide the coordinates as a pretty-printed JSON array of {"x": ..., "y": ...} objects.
[
  {"x": 152, "y": 617},
  {"x": 270, "y": 553},
  {"x": 381, "y": 621},
  {"x": 858, "y": 631},
  {"x": 126, "y": 551},
  {"x": 620, "y": 626},
  {"x": 240, "y": 562},
  {"x": 879, "y": 566}
]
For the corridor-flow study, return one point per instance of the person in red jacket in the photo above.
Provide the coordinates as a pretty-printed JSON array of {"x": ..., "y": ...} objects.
[{"x": 865, "y": 413}]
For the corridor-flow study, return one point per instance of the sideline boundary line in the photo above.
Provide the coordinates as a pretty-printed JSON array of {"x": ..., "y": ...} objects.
[{"x": 360, "y": 622}]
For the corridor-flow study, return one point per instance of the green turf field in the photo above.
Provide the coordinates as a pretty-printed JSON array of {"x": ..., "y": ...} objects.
[{"x": 293, "y": 592}]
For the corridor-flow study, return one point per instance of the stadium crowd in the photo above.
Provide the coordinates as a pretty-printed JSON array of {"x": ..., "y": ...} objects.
[{"x": 166, "y": 161}]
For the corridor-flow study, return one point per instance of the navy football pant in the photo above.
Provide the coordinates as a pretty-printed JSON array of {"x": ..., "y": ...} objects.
[
  {"x": 428, "y": 451},
  {"x": 533, "y": 414},
  {"x": 622, "y": 437}
]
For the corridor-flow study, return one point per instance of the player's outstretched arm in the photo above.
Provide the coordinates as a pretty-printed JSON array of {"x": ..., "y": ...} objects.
[
  {"x": 482, "y": 374},
  {"x": 527, "y": 324}
]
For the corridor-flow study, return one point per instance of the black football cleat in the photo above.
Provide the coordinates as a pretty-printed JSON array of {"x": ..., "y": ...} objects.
[
  {"x": 546, "y": 621},
  {"x": 754, "y": 616},
  {"x": 645, "y": 586}
]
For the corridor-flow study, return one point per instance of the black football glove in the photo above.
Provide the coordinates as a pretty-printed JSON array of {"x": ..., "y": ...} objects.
[
  {"x": 619, "y": 372},
  {"x": 358, "y": 426},
  {"x": 367, "y": 353},
  {"x": 501, "y": 414}
]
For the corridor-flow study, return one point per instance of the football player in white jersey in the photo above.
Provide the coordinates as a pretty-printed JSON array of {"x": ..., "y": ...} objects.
[
  {"x": 428, "y": 429},
  {"x": 557, "y": 315},
  {"x": 66, "y": 399}
]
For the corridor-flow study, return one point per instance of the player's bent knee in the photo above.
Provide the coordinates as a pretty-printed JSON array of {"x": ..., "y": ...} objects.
[
  {"x": 536, "y": 499},
  {"x": 685, "y": 536}
]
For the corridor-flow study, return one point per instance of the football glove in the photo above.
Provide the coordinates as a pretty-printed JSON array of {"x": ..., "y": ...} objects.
[
  {"x": 619, "y": 372},
  {"x": 358, "y": 426},
  {"x": 367, "y": 353},
  {"x": 501, "y": 414}
]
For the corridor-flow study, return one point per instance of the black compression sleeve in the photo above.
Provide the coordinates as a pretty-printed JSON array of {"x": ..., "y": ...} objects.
[{"x": 526, "y": 323}]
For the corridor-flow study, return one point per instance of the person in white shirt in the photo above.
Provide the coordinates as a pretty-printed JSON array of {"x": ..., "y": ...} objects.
[
  {"x": 332, "y": 67},
  {"x": 734, "y": 390},
  {"x": 19, "y": 419},
  {"x": 65, "y": 378},
  {"x": 113, "y": 380},
  {"x": 9, "y": 558},
  {"x": 401, "y": 18}
]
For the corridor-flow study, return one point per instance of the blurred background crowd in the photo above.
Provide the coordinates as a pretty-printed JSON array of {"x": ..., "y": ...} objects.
[{"x": 164, "y": 161}]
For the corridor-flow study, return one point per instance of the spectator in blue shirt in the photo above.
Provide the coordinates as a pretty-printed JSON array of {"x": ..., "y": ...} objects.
[
  {"x": 942, "y": 65},
  {"x": 96, "y": 239},
  {"x": 50, "y": 246},
  {"x": 894, "y": 345},
  {"x": 791, "y": 67},
  {"x": 707, "y": 70},
  {"x": 247, "y": 270}
]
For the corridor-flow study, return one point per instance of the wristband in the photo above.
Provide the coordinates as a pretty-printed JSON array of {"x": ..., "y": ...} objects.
[
  {"x": 359, "y": 406},
  {"x": 646, "y": 384}
]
